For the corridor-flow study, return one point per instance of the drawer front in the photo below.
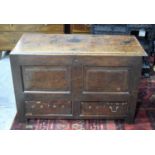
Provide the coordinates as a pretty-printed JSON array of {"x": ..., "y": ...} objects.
[
  {"x": 11, "y": 33},
  {"x": 104, "y": 108},
  {"x": 57, "y": 28},
  {"x": 80, "y": 28},
  {"x": 51, "y": 28},
  {"x": 48, "y": 108},
  {"x": 8, "y": 40},
  {"x": 5, "y": 27},
  {"x": 25, "y": 27},
  {"x": 5, "y": 41}
]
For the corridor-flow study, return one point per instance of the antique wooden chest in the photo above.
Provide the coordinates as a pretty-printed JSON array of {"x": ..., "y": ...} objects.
[{"x": 76, "y": 76}]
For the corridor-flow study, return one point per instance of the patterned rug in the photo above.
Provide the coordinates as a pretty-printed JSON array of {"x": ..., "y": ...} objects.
[
  {"x": 145, "y": 120},
  {"x": 145, "y": 117}
]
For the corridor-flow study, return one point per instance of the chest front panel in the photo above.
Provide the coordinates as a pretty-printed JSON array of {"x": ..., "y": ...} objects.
[{"x": 71, "y": 85}]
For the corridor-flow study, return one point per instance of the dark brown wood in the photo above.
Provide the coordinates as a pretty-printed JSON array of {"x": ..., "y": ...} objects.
[
  {"x": 48, "y": 108},
  {"x": 80, "y": 28},
  {"x": 59, "y": 82},
  {"x": 104, "y": 108}
]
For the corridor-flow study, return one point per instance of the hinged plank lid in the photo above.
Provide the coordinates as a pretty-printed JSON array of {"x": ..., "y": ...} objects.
[{"x": 69, "y": 44}]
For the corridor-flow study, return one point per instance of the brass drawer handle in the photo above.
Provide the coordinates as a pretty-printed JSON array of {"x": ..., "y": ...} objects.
[{"x": 113, "y": 109}]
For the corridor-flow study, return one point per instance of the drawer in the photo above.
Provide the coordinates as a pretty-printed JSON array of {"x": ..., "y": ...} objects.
[
  {"x": 54, "y": 28},
  {"x": 80, "y": 28},
  {"x": 5, "y": 40},
  {"x": 48, "y": 108},
  {"x": 104, "y": 108},
  {"x": 51, "y": 28},
  {"x": 25, "y": 27},
  {"x": 8, "y": 40},
  {"x": 5, "y": 27}
]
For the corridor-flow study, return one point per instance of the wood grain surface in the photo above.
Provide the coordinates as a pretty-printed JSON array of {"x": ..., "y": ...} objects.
[
  {"x": 62, "y": 44},
  {"x": 11, "y": 33}
]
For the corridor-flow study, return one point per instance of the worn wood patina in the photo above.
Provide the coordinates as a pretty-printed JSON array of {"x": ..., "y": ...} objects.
[
  {"x": 76, "y": 76},
  {"x": 11, "y": 33}
]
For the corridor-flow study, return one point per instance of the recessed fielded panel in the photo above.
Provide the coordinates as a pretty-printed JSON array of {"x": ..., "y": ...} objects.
[
  {"x": 106, "y": 79},
  {"x": 46, "y": 78}
]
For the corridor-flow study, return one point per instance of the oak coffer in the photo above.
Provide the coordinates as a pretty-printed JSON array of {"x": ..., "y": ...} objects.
[{"x": 76, "y": 76}]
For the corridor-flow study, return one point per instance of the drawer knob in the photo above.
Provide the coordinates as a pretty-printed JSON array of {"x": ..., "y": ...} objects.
[
  {"x": 62, "y": 106},
  {"x": 113, "y": 109}
]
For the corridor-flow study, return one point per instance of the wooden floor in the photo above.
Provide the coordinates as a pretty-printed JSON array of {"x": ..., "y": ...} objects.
[{"x": 7, "y": 100}]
